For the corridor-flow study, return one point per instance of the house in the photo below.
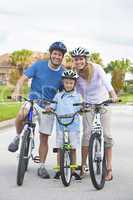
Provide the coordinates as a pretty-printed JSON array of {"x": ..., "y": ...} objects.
[
  {"x": 5, "y": 67},
  {"x": 5, "y": 64}
]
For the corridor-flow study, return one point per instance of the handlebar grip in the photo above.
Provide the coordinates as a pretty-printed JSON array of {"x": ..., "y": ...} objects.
[
  {"x": 120, "y": 100},
  {"x": 77, "y": 104},
  {"x": 111, "y": 101},
  {"x": 9, "y": 97},
  {"x": 19, "y": 98}
]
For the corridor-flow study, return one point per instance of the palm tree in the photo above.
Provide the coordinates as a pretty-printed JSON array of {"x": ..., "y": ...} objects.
[
  {"x": 118, "y": 69},
  {"x": 21, "y": 59},
  {"x": 68, "y": 60},
  {"x": 95, "y": 57}
]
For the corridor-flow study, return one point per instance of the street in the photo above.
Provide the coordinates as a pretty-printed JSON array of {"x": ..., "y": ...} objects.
[{"x": 35, "y": 188}]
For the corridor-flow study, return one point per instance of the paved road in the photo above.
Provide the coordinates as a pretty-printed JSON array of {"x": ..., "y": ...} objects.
[{"x": 121, "y": 188}]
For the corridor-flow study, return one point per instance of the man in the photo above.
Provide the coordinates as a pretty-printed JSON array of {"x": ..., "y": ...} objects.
[{"x": 46, "y": 80}]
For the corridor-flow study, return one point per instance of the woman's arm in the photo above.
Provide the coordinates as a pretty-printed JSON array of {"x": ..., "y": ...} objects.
[{"x": 107, "y": 84}]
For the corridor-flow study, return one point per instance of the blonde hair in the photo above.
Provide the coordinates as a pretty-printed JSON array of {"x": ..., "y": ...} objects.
[{"x": 87, "y": 72}]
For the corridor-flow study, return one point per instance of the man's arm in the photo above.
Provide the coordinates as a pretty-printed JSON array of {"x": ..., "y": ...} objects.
[{"x": 19, "y": 86}]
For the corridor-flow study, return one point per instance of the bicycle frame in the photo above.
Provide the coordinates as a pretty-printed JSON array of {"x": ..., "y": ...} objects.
[
  {"x": 98, "y": 129},
  {"x": 66, "y": 141},
  {"x": 29, "y": 125}
]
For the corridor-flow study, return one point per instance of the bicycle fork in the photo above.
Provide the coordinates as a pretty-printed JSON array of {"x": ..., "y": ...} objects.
[{"x": 97, "y": 128}]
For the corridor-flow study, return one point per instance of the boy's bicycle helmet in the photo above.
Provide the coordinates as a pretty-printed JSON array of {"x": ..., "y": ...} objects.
[{"x": 70, "y": 74}]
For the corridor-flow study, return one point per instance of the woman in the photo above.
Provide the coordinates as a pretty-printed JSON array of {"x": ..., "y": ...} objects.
[{"x": 95, "y": 88}]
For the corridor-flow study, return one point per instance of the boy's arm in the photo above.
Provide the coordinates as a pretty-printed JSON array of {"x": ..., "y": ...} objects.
[{"x": 79, "y": 99}]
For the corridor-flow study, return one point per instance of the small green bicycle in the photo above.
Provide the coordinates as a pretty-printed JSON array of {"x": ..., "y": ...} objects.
[{"x": 66, "y": 165}]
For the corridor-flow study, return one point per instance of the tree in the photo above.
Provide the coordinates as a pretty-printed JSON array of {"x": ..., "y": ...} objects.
[
  {"x": 68, "y": 60},
  {"x": 118, "y": 69},
  {"x": 21, "y": 59},
  {"x": 95, "y": 57},
  {"x": 14, "y": 76}
]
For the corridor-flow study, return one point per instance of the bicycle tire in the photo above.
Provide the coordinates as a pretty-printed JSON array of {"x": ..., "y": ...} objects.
[
  {"x": 23, "y": 162},
  {"x": 65, "y": 166},
  {"x": 97, "y": 184},
  {"x": 27, "y": 150}
]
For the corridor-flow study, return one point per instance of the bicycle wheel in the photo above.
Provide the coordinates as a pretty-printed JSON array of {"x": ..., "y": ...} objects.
[
  {"x": 96, "y": 164},
  {"x": 65, "y": 169},
  {"x": 23, "y": 157},
  {"x": 27, "y": 150}
]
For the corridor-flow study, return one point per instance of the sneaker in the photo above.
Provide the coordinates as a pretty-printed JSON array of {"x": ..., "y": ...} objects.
[
  {"x": 77, "y": 176},
  {"x": 13, "y": 146},
  {"x": 42, "y": 172},
  {"x": 84, "y": 171},
  {"x": 57, "y": 175}
]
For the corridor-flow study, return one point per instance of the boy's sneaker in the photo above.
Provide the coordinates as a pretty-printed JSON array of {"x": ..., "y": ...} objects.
[
  {"x": 57, "y": 175},
  {"x": 42, "y": 172},
  {"x": 77, "y": 176},
  {"x": 13, "y": 146},
  {"x": 84, "y": 171}
]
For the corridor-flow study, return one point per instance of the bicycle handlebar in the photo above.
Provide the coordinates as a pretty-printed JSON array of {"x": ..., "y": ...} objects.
[
  {"x": 20, "y": 98},
  {"x": 86, "y": 105},
  {"x": 84, "y": 108},
  {"x": 66, "y": 116}
]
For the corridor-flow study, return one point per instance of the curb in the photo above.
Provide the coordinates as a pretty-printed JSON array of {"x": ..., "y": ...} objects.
[{"x": 7, "y": 123}]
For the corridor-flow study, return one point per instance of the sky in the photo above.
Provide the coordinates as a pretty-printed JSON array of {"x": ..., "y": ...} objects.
[{"x": 104, "y": 26}]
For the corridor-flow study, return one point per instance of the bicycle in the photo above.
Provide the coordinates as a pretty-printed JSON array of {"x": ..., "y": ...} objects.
[
  {"x": 97, "y": 160},
  {"x": 27, "y": 143},
  {"x": 66, "y": 165}
]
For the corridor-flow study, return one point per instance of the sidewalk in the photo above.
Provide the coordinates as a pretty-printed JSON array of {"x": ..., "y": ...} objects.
[{"x": 7, "y": 123}]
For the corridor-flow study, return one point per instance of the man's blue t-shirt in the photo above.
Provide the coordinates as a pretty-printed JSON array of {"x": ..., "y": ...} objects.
[{"x": 45, "y": 80}]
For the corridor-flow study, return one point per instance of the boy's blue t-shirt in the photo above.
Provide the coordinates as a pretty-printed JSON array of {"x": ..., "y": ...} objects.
[
  {"x": 45, "y": 80},
  {"x": 65, "y": 101}
]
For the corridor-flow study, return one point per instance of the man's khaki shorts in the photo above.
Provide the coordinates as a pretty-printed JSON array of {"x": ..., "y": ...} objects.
[
  {"x": 45, "y": 121},
  {"x": 105, "y": 121}
]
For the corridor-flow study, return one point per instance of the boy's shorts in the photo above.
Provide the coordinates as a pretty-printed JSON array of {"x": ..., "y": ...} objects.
[{"x": 74, "y": 139}]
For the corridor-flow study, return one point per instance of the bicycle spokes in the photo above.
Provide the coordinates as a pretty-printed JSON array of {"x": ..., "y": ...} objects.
[{"x": 96, "y": 162}]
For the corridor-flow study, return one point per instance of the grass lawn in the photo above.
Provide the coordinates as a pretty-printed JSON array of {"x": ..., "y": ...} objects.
[
  {"x": 8, "y": 110},
  {"x": 126, "y": 98}
]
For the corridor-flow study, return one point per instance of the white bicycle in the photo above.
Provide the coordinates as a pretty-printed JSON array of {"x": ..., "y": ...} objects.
[{"x": 97, "y": 159}]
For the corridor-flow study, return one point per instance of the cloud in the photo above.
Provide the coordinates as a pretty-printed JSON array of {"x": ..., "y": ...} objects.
[
  {"x": 98, "y": 25},
  {"x": 115, "y": 39}
]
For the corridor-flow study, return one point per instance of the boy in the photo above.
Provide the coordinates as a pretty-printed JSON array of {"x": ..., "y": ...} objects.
[{"x": 65, "y": 101}]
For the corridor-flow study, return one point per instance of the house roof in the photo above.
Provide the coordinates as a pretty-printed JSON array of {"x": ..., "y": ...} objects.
[{"x": 5, "y": 60}]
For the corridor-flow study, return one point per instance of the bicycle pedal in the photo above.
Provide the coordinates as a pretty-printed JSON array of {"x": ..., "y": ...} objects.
[
  {"x": 36, "y": 159},
  {"x": 79, "y": 167},
  {"x": 55, "y": 150},
  {"x": 57, "y": 168}
]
